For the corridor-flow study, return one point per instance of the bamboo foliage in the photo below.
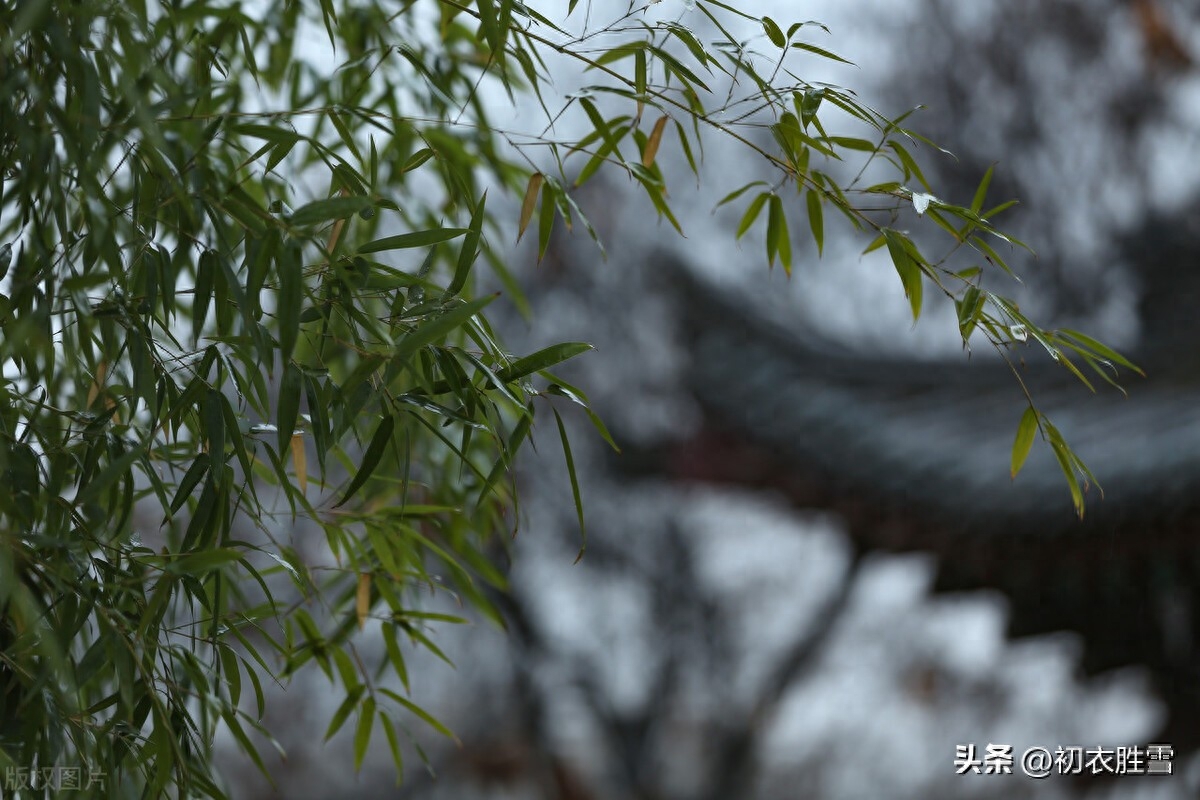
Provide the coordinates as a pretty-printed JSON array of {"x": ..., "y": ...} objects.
[{"x": 237, "y": 301}]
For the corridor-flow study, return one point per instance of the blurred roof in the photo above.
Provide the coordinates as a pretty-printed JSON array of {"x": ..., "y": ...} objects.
[{"x": 936, "y": 436}]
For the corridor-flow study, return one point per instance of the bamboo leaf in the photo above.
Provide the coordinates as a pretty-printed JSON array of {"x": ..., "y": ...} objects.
[
  {"x": 774, "y": 33},
  {"x": 910, "y": 164},
  {"x": 908, "y": 269},
  {"x": 379, "y": 442},
  {"x": 575, "y": 494},
  {"x": 812, "y": 48},
  {"x": 1063, "y": 456},
  {"x": 542, "y": 359},
  {"x": 981, "y": 192},
  {"x": 206, "y": 272},
  {"x": 469, "y": 251},
  {"x": 204, "y": 562},
  {"x": 362, "y": 734},
  {"x": 300, "y": 462},
  {"x": 414, "y": 239},
  {"x": 752, "y": 212},
  {"x": 417, "y": 159},
  {"x": 439, "y": 327},
  {"x": 815, "y": 219},
  {"x": 362, "y": 598},
  {"x": 736, "y": 193},
  {"x": 652, "y": 143},
  {"x": 422, "y": 713},
  {"x": 529, "y": 203},
  {"x": 1101, "y": 349},
  {"x": 288, "y": 406},
  {"x": 546, "y": 219},
  {"x": 1024, "y": 441},
  {"x": 290, "y": 298},
  {"x": 343, "y": 712},
  {"x": 190, "y": 480},
  {"x": 327, "y": 210},
  {"x": 778, "y": 239},
  {"x": 639, "y": 78}
]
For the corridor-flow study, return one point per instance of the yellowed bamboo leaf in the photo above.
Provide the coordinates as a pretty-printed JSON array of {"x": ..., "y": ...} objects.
[
  {"x": 97, "y": 383},
  {"x": 362, "y": 599},
  {"x": 653, "y": 142},
  {"x": 300, "y": 462},
  {"x": 530, "y": 202}
]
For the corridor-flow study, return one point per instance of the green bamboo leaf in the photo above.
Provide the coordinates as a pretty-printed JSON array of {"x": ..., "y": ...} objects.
[
  {"x": 852, "y": 143},
  {"x": 812, "y": 48},
  {"x": 779, "y": 241},
  {"x": 639, "y": 77},
  {"x": 232, "y": 673},
  {"x": 247, "y": 746},
  {"x": 910, "y": 164},
  {"x": 395, "y": 656},
  {"x": 774, "y": 33},
  {"x": 362, "y": 734},
  {"x": 1024, "y": 441},
  {"x": 810, "y": 104},
  {"x": 687, "y": 149},
  {"x": 816, "y": 220},
  {"x": 575, "y": 494},
  {"x": 394, "y": 746},
  {"x": 191, "y": 478},
  {"x": 489, "y": 23},
  {"x": 736, "y": 193},
  {"x": 1101, "y": 349},
  {"x": 908, "y": 269},
  {"x": 204, "y": 562},
  {"x": 752, "y": 212},
  {"x": 469, "y": 251},
  {"x": 504, "y": 462},
  {"x": 206, "y": 272},
  {"x": 542, "y": 359},
  {"x": 690, "y": 41},
  {"x": 601, "y": 127},
  {"x": 601, "y": 155},
  {"x": 546, "y": 218},
  {"x": 439, "y": 327},
  {"x": 617, "y": 53},
  {"x": 270, "y": 133},
  {"x": 414, "y": 239},
  {"x": 563, "y": 389},
  {"x": 969, "y": 308},
  {"x": 991, "y": 212},
  {"x": 213, "y": 415},
  {"x": 417, "y": 159},
  {"x": 772, "y": 240},
  {"x": 981, "y": 192},
  {"x": 1063, "y": 455},
  {"x": 116, "y": 470},
  {"x": 327, "y": 210},
  {"x": 343, "y": 711},
  {"x": 370, "y": 459},
  {"x": 344, "y": 134},
  {"x": 288, "y": 406},
  {"x": 318, "y": 411},
  {"x": 673, "y": 66},
  {"x": 290, "y": 269},
  {"x": 422, "y": 713}
]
